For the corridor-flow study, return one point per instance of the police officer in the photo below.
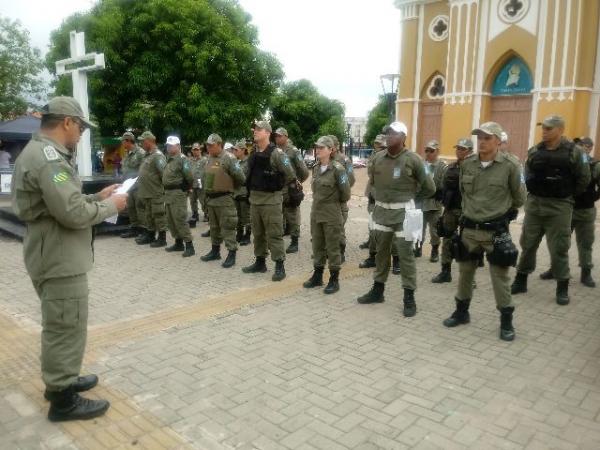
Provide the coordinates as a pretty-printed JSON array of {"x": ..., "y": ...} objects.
[
  {"x": 330, "y": 188},
  {"x": 584, "y": 219},
  {"x": 492, "y": 190},
  {"x": 397, "y": 175},
  {"x": 291, "y": 210},
  {"x": 347, "y": 163},
  {"x": 451, "y": 199},
  {"x": 197, "y": 163},
  {"x": 46, "y": 195},
  {"x": 432, "y": 207},
  {"x": 152, "y": 193},
  {"x": 222, "y": 176},
  {"x": 240, "y": 195},
  {"x": 177, "y": 180},
  {"x": 130, "y": 167},
  {"x": 269, "y": 172},
  {"x": 556, "y": 170}
]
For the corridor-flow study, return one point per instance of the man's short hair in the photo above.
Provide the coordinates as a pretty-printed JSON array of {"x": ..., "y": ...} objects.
[{"x": 51, "y": 121}]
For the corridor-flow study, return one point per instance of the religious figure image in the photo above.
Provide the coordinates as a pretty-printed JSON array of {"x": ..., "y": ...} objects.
[{"x": 514, "y": 74}]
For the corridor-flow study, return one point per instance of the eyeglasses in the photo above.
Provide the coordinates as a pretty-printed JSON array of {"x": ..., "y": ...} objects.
[
  {"x": 429, "y": 150},
  {"x": 80, "y": 124}
]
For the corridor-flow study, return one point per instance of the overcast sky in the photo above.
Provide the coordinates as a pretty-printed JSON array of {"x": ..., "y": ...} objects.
[{"x": 342, "y": 46}]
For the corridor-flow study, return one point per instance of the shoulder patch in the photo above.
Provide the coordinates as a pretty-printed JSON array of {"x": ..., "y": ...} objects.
[
  {"x": 51, "y": 154},
  {"x": 60, "y": 177}
]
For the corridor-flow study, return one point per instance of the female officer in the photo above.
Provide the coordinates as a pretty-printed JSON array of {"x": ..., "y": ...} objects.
[{"x": 330, "y": 188}]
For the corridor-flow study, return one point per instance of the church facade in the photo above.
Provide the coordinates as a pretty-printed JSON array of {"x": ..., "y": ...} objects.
[{"x": 464, "y": 62}]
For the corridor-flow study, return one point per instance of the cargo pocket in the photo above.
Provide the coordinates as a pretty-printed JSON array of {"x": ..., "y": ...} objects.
[{"x": 65, "y": 302}]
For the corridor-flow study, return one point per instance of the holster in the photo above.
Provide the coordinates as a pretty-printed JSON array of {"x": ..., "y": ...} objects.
[
  {"x": 458, "y": 250},
  {"x": 504, "y": 253}
]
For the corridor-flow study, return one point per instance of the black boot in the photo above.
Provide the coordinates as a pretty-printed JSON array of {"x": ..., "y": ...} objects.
[
  {"x": 131, "y": 233},
  {"x": 246, "y": 237},
  {"x": 365, "y": 244},
  {"x": 83, "y": 383},
  {"x": 520, "y": 284},
  {"x": 547, "y": 275},
  {"x": 213, "y": 255},
  {"x": 161, "y": 241},
  {"x": 562, "y": 292},
  {"x": 507, "y": 332},
  {"x": 445, "y": 276},
  {"x": 259, "y": 265},
  {"x": 315, "y": 280},
  {"x": 279, "y": 271},
  {"x": 293, "y": 247},
  {"x": 334, "y": 284},
  {"x": 375, "y": 295},
  {"x": 206, "y": 233},
  {"x": 418, "y": 250},
  {"x": 146, "y": 237},
  {"x": 239, "y": 233},
  {"x": 396, "y": 265},
  {"x": 343, "y": 252},
  {"x": 435, "y": 253},
  {"x": 189, "y": 250},
  {"x": 176, "y": 247},
  {"x": 192, "y": 222},
  {"x": 586, "y": 278},
  {"x": 230, "y": 260},
  {"x": 369, "y": 262},
  {"x": 410, "y": 307},
  {"x": 69, "y": 405},
  {"x": 461, "y": 315}
]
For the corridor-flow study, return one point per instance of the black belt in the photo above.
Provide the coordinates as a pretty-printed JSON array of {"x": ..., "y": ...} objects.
[
  {"x": 172, "y": 188},
  {"x": 217, "y": 194},
  {"x": 492, "y": 225}
]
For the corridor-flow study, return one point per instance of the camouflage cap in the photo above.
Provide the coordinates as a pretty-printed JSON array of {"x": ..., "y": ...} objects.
[
  {"x": 281, "y": 131},
  {"x": 173, "y": 140},
  {"x": 196, "y": 146},
  {"x": 66, "y": 106},
  {"x": 214, "y": 139},
  {"x": 147, "y": 135},
  {"x": 380, "y": 139},
  {"x": 489, "y": 128},
  {"x": 433, "y": 144},
  {"x": 325, "y": 141},
  {"x": 334, "y": 139},
  {"x": 263, "y": 125},
  {"x": 552, "y": 121},
  {"x": 128, "y": 136},
  {"x": 464, "y": 143},
  {"x": 228, "y": 146},
  {"x": 241, "y": 144},
  {"x": 587, "y": 141}
]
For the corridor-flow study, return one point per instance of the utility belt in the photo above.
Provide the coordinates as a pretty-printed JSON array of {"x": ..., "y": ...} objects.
[
  {"x": 175, "y": 187},
  {"x": 492, "y": 225},
  {"x": 399, "y": 205},
  {"x": 217, "y": 194}
]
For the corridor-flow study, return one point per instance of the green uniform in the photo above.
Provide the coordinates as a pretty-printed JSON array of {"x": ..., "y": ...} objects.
[
  {"x": 151, "y": 191},
  {"x": 397, "y": 181},
  {"x": 330, "y": 188},
  {"x": 292, "y": 214},
  {"x": 130, "y": 167},
  {"x": 266, "y": 205},
  {"x": 452, "y": 207},
  {"x": 488, "y": 193},
  {"x": 177, "y": 179},
  {"x": 197, "y": 192},
  {"x": 432, "y": 208},
  {"x": 222, "y": 176},
  {"x": 242, "y": 205},
  {"x": 58, "y": 251},
  {"x": 584, "y": 220},
  {"x": 549, "y": 210},
  {"x": 347, "y": 165}
]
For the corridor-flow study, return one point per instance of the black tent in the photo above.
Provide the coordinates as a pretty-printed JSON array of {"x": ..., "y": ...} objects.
[{"x": 19, "y": 129}]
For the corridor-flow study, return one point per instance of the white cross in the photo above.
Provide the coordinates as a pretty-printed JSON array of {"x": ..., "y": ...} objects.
[{"x": 75, "y": 65}]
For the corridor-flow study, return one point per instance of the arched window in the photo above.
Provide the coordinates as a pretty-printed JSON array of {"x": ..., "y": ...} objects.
[{"x": 513, "y": 78}]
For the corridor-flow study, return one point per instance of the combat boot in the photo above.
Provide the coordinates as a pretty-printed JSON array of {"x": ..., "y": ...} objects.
[
  {"x": 435, "y": 253},
  {"x": 410, "y": 307},
  {"x": 562, "y": 292},
  {"x": 146, "y": 237},
  {"x": 460, "y": 316},
  {"x": 343, "y": 252},
  {"x": 445, "y": 276},
  {"x": 246, "y": 237},
  {"x": 279, "y": 271},
  {"x": 547, "y": 275},
  {"x": 315, "y": 280},
  {"x": 239, "y": 233},
  {"x": 131, "y": 233},
  {"x": 334, "y": 283},
  {"x": 189, "y": 250},
  {"x": 259, "y": 265},
  {"x": 396, "y": 265},
  {"x": 206, "y": 233},
  {"x": 83, "y": 383},
  {"x": 192, "y": 222},
  {"x": 520, "y": 284},
  {"x": 375, "y": 295},
  {"x": 69, "y": 405},
  {"x": 365, "y": 244},
  {"x": 230, "y": 260},
  {"x": 507, "y": 332},
  {"x": 161, "y": 241},
  {"x": 418, "y": 250},
  {"x": 176, "y": 247},
  {"x": 369, "y": 262},
  {"x": 293, "y": 247},
  {"x": 213, "y": 255},
  {"x": 586, "y": 278}
]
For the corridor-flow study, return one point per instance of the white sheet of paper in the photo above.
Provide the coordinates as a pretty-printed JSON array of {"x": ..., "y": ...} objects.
[{"x": 127, "y": 184}]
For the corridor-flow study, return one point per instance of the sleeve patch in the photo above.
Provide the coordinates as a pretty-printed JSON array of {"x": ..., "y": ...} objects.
[
  {"x": 343, "y": 178},
  {"x": 50, "y": 153},
  {"x": 60, "y": 177}
]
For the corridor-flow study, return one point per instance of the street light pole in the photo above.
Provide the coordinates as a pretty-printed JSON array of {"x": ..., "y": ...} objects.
[
  {"x": 389, "y": 85},
  {"x": 349, "y": 146}
]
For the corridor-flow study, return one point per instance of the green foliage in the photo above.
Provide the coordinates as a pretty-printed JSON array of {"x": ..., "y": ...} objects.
[
  {"x": 20, "y": 66},
  {"x": 377, "y": 119},
  {"x": 190, "y": 67},
  {"x": 306, "y": 114}
]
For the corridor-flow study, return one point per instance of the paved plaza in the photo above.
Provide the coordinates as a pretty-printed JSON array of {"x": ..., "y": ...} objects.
[{"x": 195, "y": 356}]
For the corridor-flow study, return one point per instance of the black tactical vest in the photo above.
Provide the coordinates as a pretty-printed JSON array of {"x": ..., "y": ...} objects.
[
  {"x": 450, "y": 190},
  {"x": 550, "y": 172},
  {"x": 261, "y": 176},
  {"x": 591, "y": 195}
]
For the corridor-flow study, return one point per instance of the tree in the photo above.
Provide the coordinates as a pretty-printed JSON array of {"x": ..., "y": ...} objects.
[
  {"x": 377, "y": 119},
  {"x": 20, "y": 65},
  {"x": 306, "y": 113},
  {"x": 190, "y": 67}
]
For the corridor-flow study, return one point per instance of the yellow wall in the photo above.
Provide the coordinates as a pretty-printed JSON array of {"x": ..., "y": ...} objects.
[{"x": 456, "y": 124}]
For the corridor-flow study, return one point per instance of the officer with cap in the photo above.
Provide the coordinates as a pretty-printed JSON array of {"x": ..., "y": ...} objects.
[
  {"x": 58, "y": 251},
  {"x": 451, "y": 199},
  {"x": 584, "y": 218},
  {"x": 556, "y": 170},
  {"x": 130, "y": 167},
  {"x": 492, "y": 190},
  {"x": 398, "y": 176},
  {"x": 240, "y": 195},
  {"x": 222, "y": 177},
  {"x": 291, "y": 207},
  {"x": 198, "y": 163},
  {"x": 269, "y": 172},
  {"x": 152, "y": 193},
  {"x": 177, "y": 180}
]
